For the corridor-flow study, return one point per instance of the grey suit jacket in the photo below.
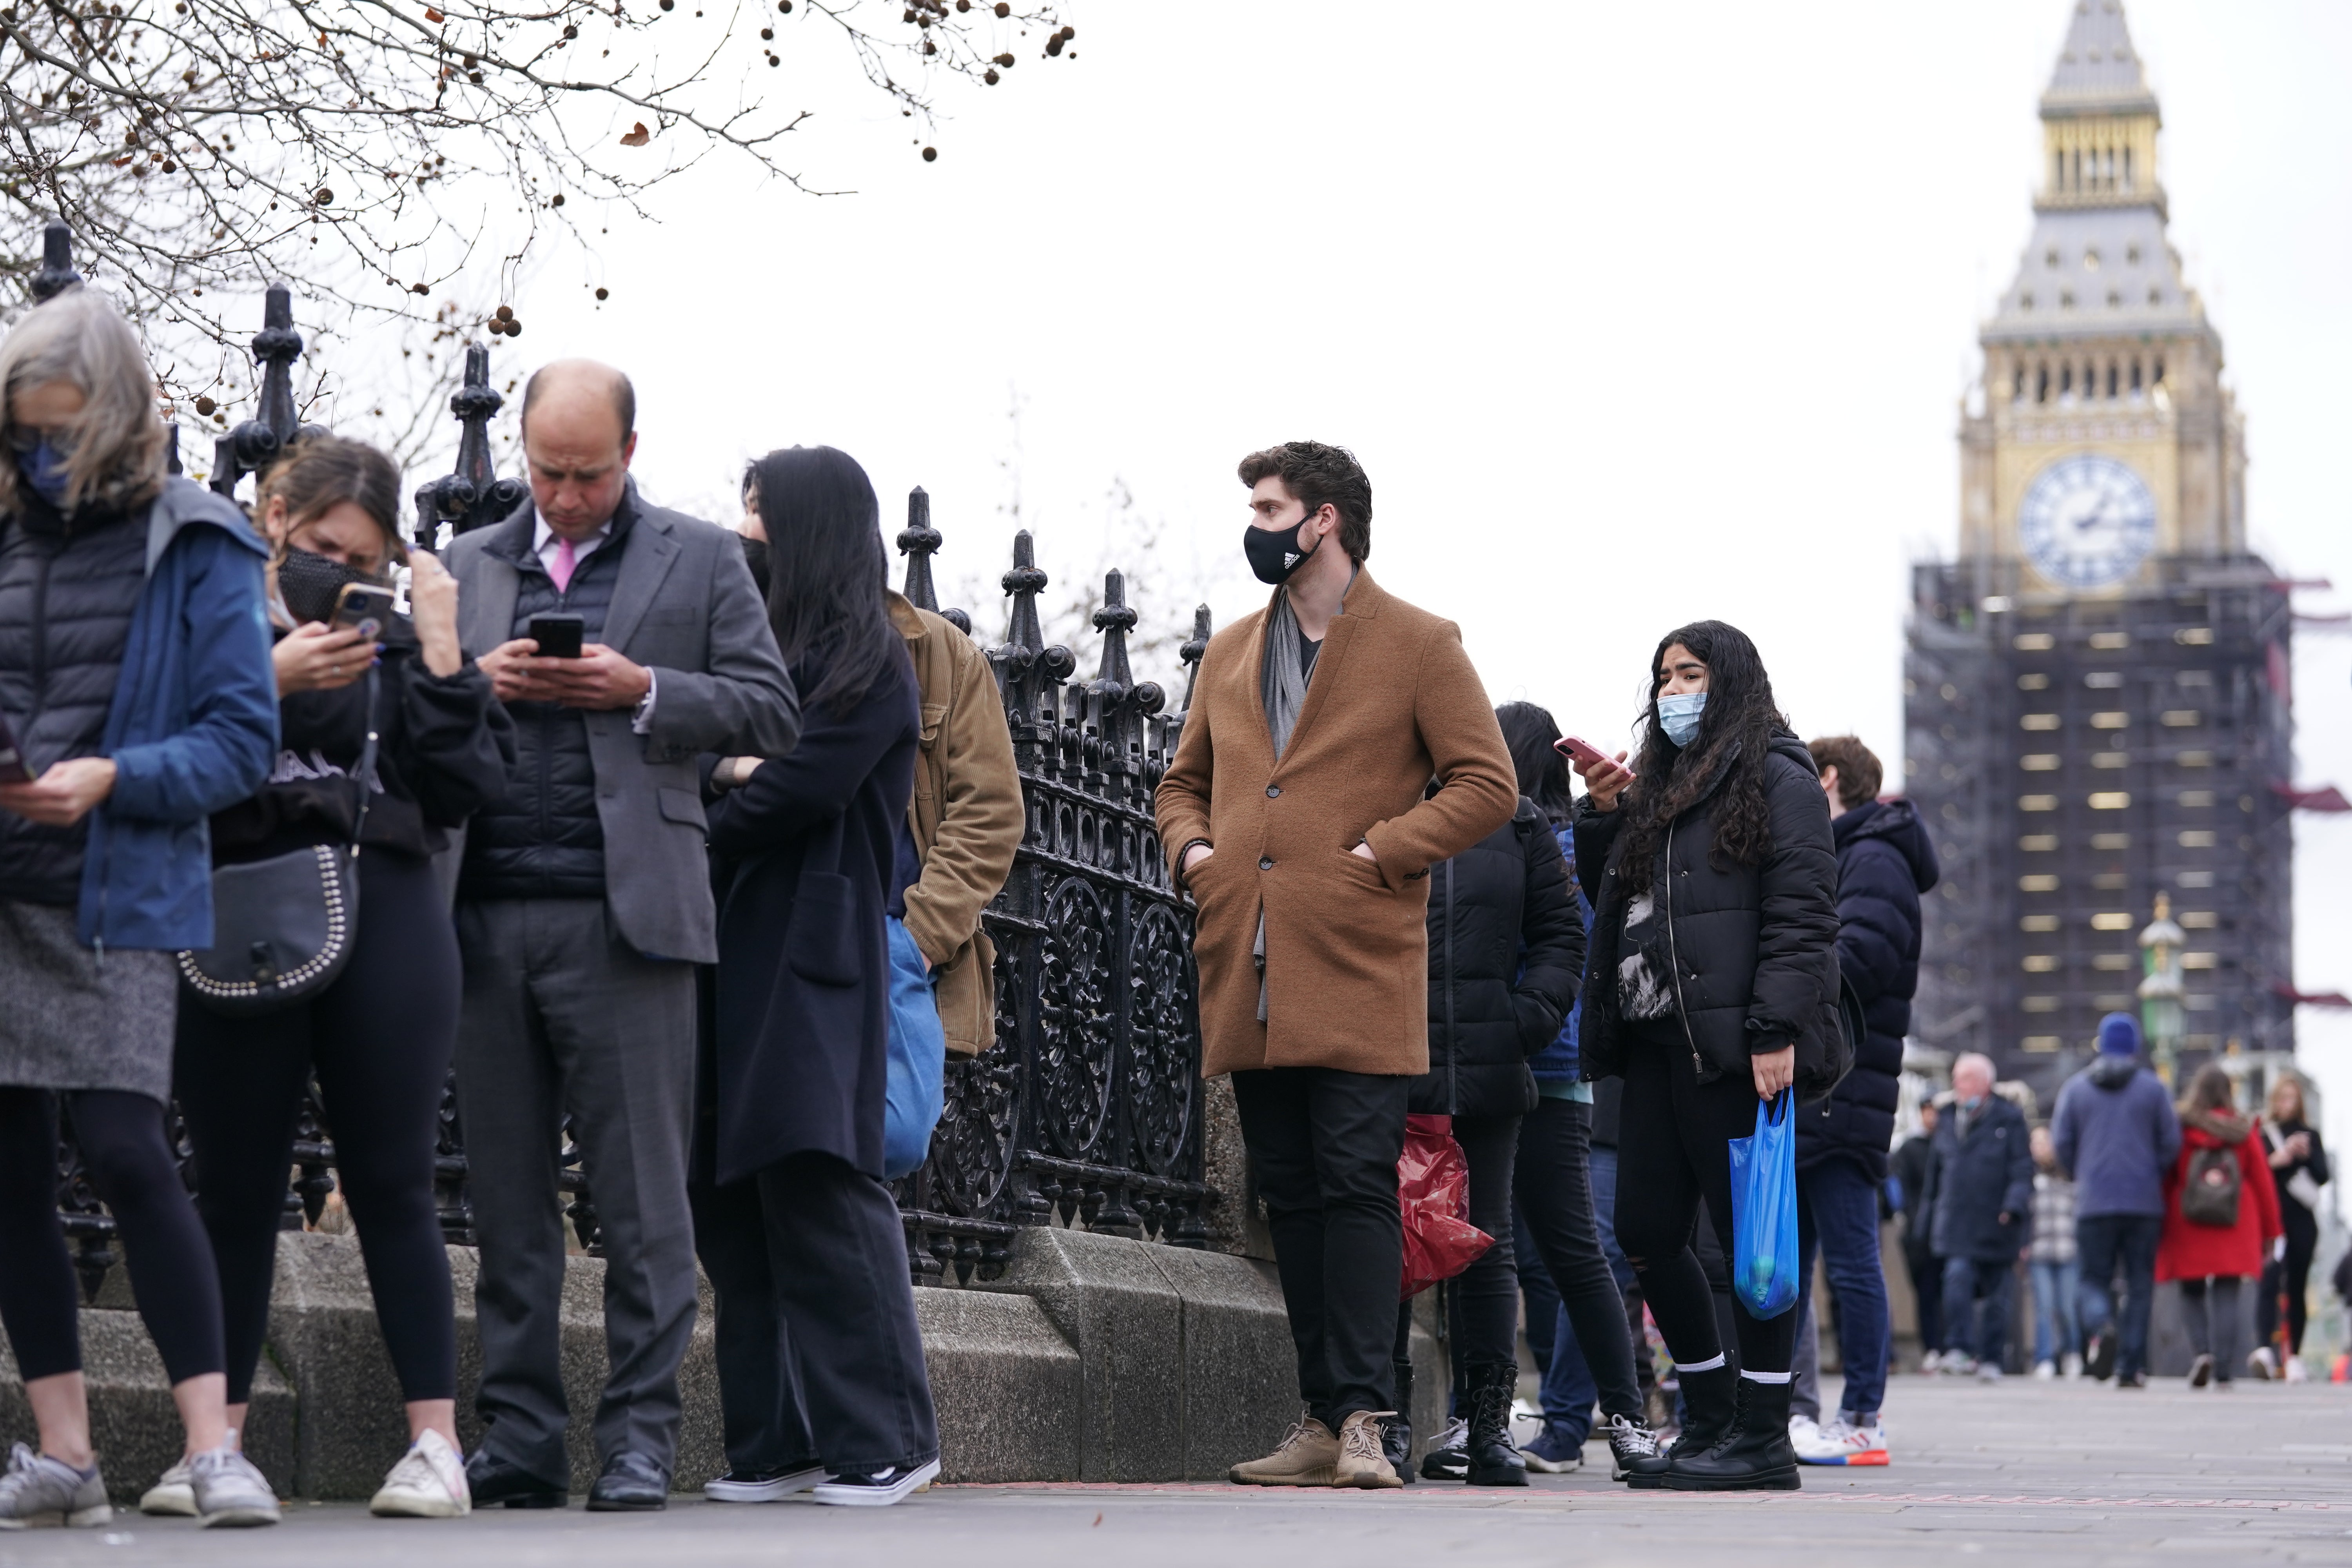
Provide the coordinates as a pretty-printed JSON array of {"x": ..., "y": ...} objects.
[{"x": 685, "y": 606}]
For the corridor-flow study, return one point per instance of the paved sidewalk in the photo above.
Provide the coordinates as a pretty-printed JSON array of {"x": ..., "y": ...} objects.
[{"x": 2033, "y": 1472}]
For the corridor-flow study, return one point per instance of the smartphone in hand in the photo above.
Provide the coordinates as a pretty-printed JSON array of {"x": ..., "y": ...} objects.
[
  {"x": 1578, "y": 749},
  {"x": 363, "y": 607},
  {"x": 559, "y": 633}
]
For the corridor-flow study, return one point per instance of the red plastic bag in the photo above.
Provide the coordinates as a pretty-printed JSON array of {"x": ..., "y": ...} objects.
[{"x": 1433, "y": 1189}]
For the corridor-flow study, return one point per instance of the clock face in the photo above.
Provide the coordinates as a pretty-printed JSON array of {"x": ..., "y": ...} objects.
[{"x": 2087, "y": 522}]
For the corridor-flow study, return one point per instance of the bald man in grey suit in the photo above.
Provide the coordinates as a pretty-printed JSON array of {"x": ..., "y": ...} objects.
[{"x": 584, "y": 904}]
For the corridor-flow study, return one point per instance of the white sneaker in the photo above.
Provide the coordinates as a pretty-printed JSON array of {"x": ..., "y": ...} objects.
[
  {"x": 1802, "y": 1429},
  {"x": 173, "y": 1494},
  {"x": 765, "y": 1486},
  {"x": 1843, "y": 1443},
  {"x": 2045, "y": 1370},
  {"x": 36, "y": 1489},
  {"x": 1988, "y": 1373},
  {"x": 2069, "y": 1367},
  {"x": 229, "y": 1491},
  {"x": 2294, "y": 1369},
  {"x": 2262, "y": 1366},
  {"x": 1931, "y": 1362},
  {"x": 429, "y": 1482},
  {"x": 891, "y": 1485}
]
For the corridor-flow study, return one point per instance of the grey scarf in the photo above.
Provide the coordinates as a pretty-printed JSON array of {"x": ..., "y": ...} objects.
[{"x": 1284, "y": 677}]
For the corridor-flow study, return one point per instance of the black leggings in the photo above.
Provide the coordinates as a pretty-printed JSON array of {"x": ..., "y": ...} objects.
[
  {"x": 1673, "y": 1151},
  {"x": 130, "y": 1167},
  {"x": 1483, "y": 1304},
  {"x": 2290, "y": 1274},
  {"x": 1554, "y": 1186},
  {"x": 379, "y": 1040}
]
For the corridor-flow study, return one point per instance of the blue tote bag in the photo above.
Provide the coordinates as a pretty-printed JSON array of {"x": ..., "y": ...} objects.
[{"x": 1764, "y": 1211}]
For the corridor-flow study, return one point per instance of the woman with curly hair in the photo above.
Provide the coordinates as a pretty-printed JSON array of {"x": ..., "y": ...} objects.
[{"x": 1712, "y": 984}]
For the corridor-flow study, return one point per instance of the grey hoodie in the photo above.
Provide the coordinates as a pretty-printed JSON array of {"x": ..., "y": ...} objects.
[{"x": 2116, "y": 1134}]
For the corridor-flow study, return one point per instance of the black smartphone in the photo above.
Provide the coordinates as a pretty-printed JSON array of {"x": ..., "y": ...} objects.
[
  {"x": 558, "y": 634},
  {"x": 363, "y": 607},
  {"x": 12, "y": 761}
]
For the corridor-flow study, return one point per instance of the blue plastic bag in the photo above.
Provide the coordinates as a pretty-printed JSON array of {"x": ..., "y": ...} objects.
[{"x": 1764, "y": 1211}]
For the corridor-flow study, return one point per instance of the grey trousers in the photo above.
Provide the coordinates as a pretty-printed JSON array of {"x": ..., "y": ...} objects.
[{"x": 560, "y": 1015}]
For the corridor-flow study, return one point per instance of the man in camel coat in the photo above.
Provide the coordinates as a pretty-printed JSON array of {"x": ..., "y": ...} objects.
[{"x": 1297, "y": 814}]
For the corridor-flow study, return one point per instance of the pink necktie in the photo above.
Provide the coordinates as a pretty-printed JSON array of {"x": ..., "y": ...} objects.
[{"x": 564, "y": 562}]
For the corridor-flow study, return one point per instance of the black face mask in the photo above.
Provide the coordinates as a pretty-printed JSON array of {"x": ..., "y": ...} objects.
[
  {"x": 308, "y": 583},
  {"x": 755, "y": 556},
  {"x": 1273, "y": 553}
]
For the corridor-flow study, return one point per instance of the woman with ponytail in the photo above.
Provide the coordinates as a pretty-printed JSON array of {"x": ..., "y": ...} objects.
[{"x": 1712, "y": 984}]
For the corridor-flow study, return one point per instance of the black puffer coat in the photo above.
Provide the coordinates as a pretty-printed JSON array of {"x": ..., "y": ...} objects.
[
  {"x": 1885, "y": 862},
  {"x": 1752, "y": 949},
  {"x": 1506, "y": 950}
]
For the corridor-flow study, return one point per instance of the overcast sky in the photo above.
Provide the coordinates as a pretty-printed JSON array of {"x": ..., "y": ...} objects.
[{"x": 1634, "y": 314}]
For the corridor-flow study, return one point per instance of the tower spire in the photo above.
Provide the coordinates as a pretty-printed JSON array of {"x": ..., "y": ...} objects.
[{"x": 2098, "y": 71}]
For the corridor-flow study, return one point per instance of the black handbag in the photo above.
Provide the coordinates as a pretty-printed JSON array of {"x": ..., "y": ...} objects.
[{"x": 283, "y": 928}]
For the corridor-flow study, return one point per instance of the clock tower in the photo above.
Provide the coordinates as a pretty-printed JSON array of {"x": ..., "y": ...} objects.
[
  {"x": 2101, "y": 438},
  {"x": 2095, "y": 696}
]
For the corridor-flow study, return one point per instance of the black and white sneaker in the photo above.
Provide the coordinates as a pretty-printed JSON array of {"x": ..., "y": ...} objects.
[
  {"x": 1629, "y": 1440},
  {"x": 765, "y": 1486},
  {"x": 1448, "y": 1458},
  {"x": 888, "y": 1485}
]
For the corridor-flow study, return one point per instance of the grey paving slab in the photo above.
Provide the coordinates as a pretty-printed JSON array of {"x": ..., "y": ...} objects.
[{"x": 2021, "y": 1473}]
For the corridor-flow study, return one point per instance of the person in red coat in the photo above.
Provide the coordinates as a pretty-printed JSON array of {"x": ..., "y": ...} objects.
[{"x": 2210, "y": 1258}]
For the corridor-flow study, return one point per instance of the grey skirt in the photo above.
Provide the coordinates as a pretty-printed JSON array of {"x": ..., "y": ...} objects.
[{"x": 70, "y": 1018}]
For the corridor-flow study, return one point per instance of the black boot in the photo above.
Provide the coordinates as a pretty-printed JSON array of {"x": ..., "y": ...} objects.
[
  {"x": 1494, "y": 1462},
  {"x": 1754, "y": 1456},
  {"x": 1710, "y": 1402},
  {"x": 1396, "y": 1431}
]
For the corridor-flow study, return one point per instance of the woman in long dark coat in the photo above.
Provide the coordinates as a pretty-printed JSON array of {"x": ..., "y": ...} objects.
[{"x": 792, "y": 1219}]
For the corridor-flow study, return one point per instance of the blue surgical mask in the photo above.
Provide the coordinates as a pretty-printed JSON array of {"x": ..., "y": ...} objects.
[
  {"x": 44, "y": 468},
  {"x": 1678, "y": 715}
]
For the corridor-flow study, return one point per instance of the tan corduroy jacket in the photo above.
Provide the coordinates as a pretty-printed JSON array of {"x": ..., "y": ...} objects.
[
  {"x": 1393, "y": 701},
  {"x": 967, "y": 816}
]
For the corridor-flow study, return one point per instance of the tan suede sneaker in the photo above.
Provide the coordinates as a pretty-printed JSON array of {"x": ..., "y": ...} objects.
[
  {"x": 1361, "y": 1463},
  {"x": 1309, "y": 1456}
]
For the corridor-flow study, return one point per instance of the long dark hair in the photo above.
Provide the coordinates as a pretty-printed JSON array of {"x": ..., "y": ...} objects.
[
  {"x": 2209, "y": 1092},
  {"x": 1734, "y": 740},
  {"x": 1528, "y": 730},
  {"x": 827, "y": 571}
]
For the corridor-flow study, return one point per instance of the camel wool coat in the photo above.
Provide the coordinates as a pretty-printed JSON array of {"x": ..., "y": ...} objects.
[{"x": 1392, "y": 703}]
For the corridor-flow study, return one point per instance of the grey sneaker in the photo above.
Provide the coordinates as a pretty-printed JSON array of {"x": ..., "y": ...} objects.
[
  {"x": 172, "y": 1492},
  {"x": 229, "y": 1491},
  {"x": 39, "y": 1490}
]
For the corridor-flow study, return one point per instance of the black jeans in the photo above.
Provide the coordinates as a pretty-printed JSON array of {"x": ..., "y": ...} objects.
[
  {"x": 1323, "y": 1144},
  {"x": 2210, "y": 1313},
  {"x": 379, "y": 1039},
  {"x": 819, "y": 1357},
  {"x": 1673, "y": 1153},
  {"x": 2289, "y": 1276},
  {"x": 2105, "y": 1243},
  {"x": 1553, "y": 1185},
  {"x": 132, "y": 1169}
]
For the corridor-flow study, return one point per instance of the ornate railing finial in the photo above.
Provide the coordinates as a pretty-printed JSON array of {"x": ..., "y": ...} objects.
[
  {"x": 57, "y": 274},
  {"x": 916, "y": 541},
  {"x": 256, "y": 443},
  {"x": 471, "y": 496}
]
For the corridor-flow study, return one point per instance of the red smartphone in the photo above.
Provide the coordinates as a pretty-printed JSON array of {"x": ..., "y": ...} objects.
[{"x": 1578, "y": 749}]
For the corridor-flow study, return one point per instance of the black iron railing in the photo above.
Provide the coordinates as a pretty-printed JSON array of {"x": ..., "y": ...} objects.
[{"x": 1087, "y": 1109}]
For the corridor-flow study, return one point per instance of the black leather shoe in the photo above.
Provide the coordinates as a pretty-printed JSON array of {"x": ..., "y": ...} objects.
[
  {"x": 496, "y": 1481},
  {"x": 1396, "y": 1431},
  {"x": 1494, "y": 1462},
  {"x": 631, "y": 1483},
  {"x": 1754, "y": 1455},
  {"x": 1709, "y": 1399}
]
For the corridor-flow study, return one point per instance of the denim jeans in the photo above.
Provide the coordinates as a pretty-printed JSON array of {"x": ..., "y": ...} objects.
[
  {"x": 2057, "y": 1325},
  {"x": 911, "y": 1096},
  {"x": 2103, "y": 1244},
  {"x": 1976, "y": 1307},
  {"x": 1605, "y": 1212},
  {"x": 1838, "y": 1214}
]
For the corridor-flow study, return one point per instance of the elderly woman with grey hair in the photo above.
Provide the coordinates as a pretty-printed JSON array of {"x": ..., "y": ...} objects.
[{"x": 135, "y": 684}]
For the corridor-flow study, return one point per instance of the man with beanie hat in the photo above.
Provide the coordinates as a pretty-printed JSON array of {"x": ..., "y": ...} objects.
[{"x": 2116, "y": 1135}]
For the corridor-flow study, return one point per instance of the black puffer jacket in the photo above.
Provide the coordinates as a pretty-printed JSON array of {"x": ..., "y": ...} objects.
[
  {"x": 1506, "y": 950},
  {"x": 66, "y": 604},
  {"x": 545, "y": 838},
  {"x": 1885, "y": 862},
  {"x": 1752, "y": 949}
]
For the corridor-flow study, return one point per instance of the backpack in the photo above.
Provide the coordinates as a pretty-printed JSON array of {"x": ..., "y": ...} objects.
[{"x": 2209, "y": 1195}]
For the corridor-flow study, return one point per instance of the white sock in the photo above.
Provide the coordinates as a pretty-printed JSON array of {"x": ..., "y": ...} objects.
[
  {"x": 1764, "y": 1376},
  {"x": 1700, "y": 1365}
]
